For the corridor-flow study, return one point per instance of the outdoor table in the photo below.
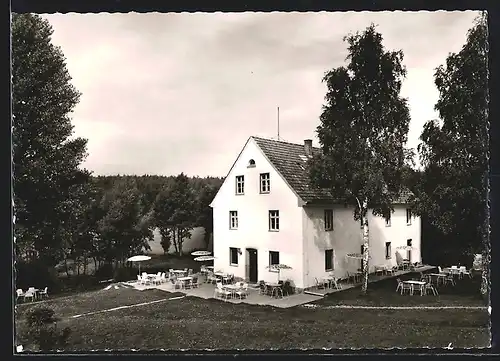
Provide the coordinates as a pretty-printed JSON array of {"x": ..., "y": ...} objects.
[
  {"x": 438, "y": 276},
  {"x": 413, "y": 283},
  {"x": 274, "y": 289},
  {"x": 231, "y": 288},
  {"x": 184, "y": 279},
  {"x": 331, "y": 281},
  {"x": 381, "y": 268}
]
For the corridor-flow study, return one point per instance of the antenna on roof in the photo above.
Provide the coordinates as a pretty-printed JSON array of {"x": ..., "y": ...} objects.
[{"x": 278, "y": 123}]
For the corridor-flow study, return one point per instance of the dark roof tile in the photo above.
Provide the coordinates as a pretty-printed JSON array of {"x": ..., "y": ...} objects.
[{"x": 289, "y": 159}]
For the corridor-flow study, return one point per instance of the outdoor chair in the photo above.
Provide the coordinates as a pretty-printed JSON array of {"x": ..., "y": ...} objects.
[
  {"x": 145, "y": 280},
  {"x": 44, "y": 292},
  {"x": 139, "y": 279},
  {"x": 440, "y": 270},
  {"x": 336, "y": 283},
  {"x": 449, "y": 279},
  {"x": 320, "y": 285},
  {"x": 194, "y": 282},
  {"x": 222, "y": 292},
  {"x": 190, "y": 272},
  {"x": 262, "y": 288},
  {"x": 402, "y": 286},
  {"x": 163, "y": 277},
  {"x": 157, "y": 279},
  {"x": 418, "y": 288},
  {"x": 176, "y": 284},
  {"x": 430, "y": 286},
  {"x": 243, "y": 291},
  {"x": 463, "y": 271},
  {"x": 186, "y": 271},
  {"x": 211, "y": 278},
  {"x": 187, "y": 284},
  {"x": 19, "y": 293},
  {"x": 30, "y": 293}
]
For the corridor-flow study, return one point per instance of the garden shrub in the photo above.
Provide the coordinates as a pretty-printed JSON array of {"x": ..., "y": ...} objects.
[{"x": 42, "y": 331}]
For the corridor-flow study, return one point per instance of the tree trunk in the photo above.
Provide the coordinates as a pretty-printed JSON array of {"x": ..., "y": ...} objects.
[
  {"x": 181, "y": 233},
  {"x": 174, "y": 240},
  {"x": 485, "y": 273},
  {"x": 66, "y": 266},
  {"x": 366, "y": 245}
]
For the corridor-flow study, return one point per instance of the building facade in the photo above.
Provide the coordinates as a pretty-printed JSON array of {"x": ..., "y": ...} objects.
[{"x": 267, "y": 213}]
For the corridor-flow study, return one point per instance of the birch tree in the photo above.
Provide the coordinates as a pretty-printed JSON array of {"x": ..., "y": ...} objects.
[{"x": 363, "y": 132}]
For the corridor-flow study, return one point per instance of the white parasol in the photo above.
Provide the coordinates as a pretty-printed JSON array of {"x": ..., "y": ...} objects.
[
  {"x": 278, "y": 267},
  {"x": 139, "y": 259},
  {"x": 405, "y": 248},
  {"x": 201, "y": 253},
  {"x": 204, "y": 258}
]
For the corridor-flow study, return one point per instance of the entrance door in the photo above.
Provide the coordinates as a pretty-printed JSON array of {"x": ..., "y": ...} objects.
[
  {"x": 408, "y": 243},
  {"x": 251, "y": 265}
]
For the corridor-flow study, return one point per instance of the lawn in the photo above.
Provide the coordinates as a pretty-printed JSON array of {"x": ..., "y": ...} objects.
[
  {"x": 193, "y": 323},
  {"x": 383, "y": 293}
]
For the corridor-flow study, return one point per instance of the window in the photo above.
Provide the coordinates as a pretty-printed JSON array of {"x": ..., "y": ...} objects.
[
  {"x": 274, "y": 258},
  {"x": 388, "y": 221},
  {"x": 233, "y": 256},
  {"x": 329, "y": 260},
  {"x": 408, "y": 217},
  {"x": 388, "y": 252},
  {"x": 328, "y": 219},
  {"x": 274, "y": 220},
  {"x": 251, "y": 163},
  {"x": 408, "y": 253},
  {"x": 265, "y": 183},
  {"x": 240, "y": 184},
  {"x": 233, "y": 219}
]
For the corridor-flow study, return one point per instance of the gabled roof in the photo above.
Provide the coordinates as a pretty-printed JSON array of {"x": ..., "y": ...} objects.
[{"x": 290, "y": 160}]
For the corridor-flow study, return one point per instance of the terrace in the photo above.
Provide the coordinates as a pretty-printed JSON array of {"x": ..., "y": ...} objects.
[{"x": 254, "y": 297}]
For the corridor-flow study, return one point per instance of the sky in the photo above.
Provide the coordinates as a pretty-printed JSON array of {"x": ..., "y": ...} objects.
[{"x": 182, "y": 92}]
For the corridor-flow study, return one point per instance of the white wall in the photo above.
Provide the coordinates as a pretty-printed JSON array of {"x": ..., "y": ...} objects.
[
  {"x": 253, "y": 225},
  {"x": 346, "y": 237},
  {"x": 398, "y": 233}
]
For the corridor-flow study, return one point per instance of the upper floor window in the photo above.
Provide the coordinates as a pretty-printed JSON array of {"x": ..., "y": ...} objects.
[
  {"x": 408, "y": 216},
  {"x": 240, "y": 184},
  {"x": 265, "y": 183},
  {"x": 251, "y": 163},
  {"x": 233, "y": 219},
  {"x": 274, "y": 220},
  {"x": 328, "y": 219}
]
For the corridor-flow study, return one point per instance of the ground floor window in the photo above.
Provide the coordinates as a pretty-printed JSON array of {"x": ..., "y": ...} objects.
[
  {"x": 329, "y": 260},
  {"x": 274, "y": 258},
  {"x": 233, "y": 256},
  {"x": 388, "y": 250}
]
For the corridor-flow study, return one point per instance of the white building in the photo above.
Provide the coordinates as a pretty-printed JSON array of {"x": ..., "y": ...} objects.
[{"x": 266, "y": 212}]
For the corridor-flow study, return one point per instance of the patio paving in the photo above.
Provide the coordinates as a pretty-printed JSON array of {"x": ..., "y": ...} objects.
[
  {"x": 372, "y": 278},
  {"x": 206, "y": 291}
]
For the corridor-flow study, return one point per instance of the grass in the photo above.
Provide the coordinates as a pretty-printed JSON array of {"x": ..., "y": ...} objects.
[
  {"x": 193, "y": 323},
  {"x": 383, "y": 293}
]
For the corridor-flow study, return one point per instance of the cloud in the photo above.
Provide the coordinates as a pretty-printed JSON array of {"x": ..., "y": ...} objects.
[{"x": 171, "y": 93}]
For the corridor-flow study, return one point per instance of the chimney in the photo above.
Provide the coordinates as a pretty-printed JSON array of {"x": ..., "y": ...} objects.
[{"x": 308, "y": 145}]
